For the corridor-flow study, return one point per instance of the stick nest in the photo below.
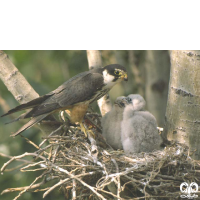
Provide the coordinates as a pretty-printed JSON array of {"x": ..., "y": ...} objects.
[{"x": 87, "y": 168}]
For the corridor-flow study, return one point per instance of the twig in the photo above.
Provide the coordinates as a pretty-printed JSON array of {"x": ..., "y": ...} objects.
[
  {"x": 56, "y": 167},
  {"x": 74, "y": 189},
  {"x": 19, "y": 157},
  {"x": 78, "y": 179},
  {"x": 64, "y": 181},
  {"x": 37, "y": 185},
  {"x": 26, "y": 189},
  {"x": 52, "y": 133},
  {"x": 118, "y": 178},
  {"x": 41, "y": 163},
  {"x": 21, "y": 160}
]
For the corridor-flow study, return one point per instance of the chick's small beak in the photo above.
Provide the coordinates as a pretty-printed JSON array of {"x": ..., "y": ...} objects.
[
  {"x": 125, "y": 76},
  {"x": 124, "y": 101},
  {"x": 121, "y": 103}
]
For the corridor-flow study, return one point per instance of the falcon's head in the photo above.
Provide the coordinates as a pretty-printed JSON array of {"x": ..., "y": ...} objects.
[{"x": 113, "y": 74}]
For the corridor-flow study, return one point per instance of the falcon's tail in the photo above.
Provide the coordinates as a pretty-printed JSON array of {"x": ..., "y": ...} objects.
[
  {"x": 17, "y": 119},
  {"x": 30, "y": 104},
  {"x": 29, "y": 124}
]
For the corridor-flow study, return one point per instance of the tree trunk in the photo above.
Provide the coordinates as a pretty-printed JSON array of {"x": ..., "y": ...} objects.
[
  {"x": 157, "y": 70},
  {"x": 183, "y": 107},
  {"x": 137, "y": 72},
  {"x": 20, "y": 88},
  {"x": 95, "y": 61}
]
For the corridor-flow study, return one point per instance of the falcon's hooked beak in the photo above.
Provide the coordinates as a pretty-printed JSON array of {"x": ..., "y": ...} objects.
[{"x": 124, "y": 76}]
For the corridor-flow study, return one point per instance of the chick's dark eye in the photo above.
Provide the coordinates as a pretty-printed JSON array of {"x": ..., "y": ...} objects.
[
  {"x": 122, "y": 104},
  {"x": 129, "y": 100}
]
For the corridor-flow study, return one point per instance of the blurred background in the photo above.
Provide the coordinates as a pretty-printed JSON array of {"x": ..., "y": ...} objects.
[{"x": 148, "y": 73}]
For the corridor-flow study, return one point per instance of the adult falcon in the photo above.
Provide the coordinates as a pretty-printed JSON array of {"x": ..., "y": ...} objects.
[{"x": 75, "y": 94}]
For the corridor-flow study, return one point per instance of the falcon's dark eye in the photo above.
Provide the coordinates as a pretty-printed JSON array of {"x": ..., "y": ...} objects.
[{"x": 117, "y": 72}]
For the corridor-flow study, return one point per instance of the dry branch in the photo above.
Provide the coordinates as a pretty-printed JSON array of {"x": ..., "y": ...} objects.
[
  {"x": 95, "y": 61},
  {"x": 20, "y": 88}
]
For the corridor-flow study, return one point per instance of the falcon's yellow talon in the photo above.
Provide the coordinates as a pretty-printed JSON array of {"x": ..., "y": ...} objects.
[
  {"x": 93, "y": 134},
  {"x": 83, "y": 129}
]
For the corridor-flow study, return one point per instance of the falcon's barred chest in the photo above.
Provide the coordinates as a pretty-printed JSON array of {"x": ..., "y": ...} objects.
[{"x": 78, "y": 111}]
